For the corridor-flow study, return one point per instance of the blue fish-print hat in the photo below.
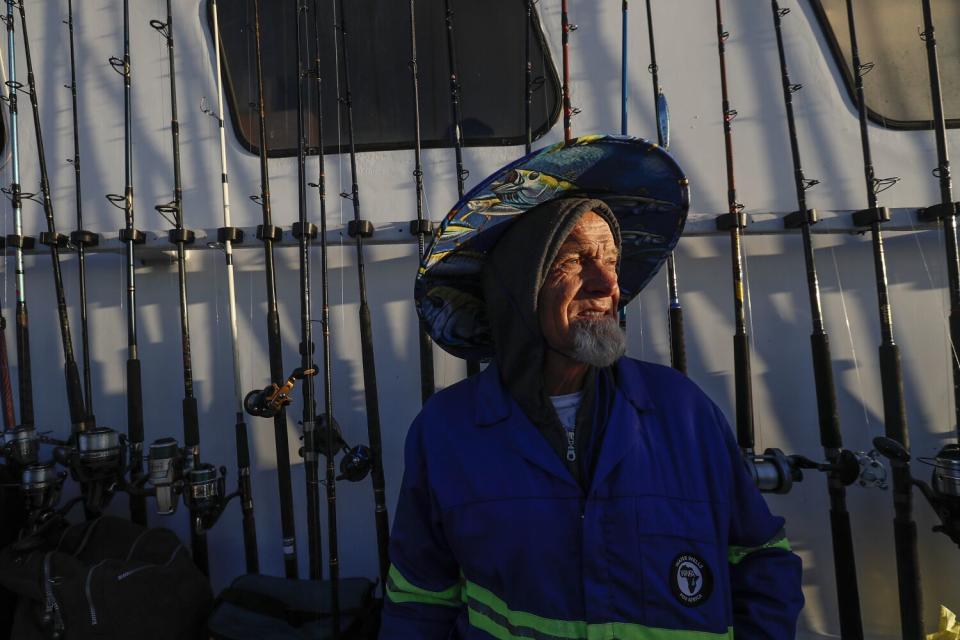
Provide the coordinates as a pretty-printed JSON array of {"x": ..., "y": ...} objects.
[{"x": 638, "y": 180}]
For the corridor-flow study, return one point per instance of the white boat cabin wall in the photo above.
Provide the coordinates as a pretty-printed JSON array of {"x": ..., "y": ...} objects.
[{"x": 779, "y": 320}]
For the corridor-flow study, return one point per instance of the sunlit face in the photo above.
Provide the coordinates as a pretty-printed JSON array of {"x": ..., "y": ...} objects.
[{"x": 581, "y": 286}]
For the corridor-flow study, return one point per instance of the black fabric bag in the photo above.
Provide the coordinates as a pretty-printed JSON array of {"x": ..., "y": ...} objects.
[
  {"x": 13, "y": 514},
  {"x": 107, "y": 578},
  {"x": 256, "y": 607}
]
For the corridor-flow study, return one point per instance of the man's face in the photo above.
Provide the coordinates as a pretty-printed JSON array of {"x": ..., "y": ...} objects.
[{"x": 581, "y": 287}]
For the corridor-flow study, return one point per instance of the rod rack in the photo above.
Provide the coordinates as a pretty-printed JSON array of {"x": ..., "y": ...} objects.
[{"x": 157, "y": 247}]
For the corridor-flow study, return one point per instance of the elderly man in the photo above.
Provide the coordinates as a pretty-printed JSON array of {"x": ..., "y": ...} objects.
[{"x": 567, "y": 491}]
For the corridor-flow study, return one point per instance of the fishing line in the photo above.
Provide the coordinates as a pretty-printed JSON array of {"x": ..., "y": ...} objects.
[
  {"x": 853, "y": 349},
  {"x": 944, "y": 300}
]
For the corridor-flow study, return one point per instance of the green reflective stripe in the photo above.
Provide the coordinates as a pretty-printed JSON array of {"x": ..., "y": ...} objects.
[
  {"x": 735, "y": 554},
  {"x": 514, "y": 620},
  {"x": 489, "y": 613},
  {"x": 400, "y": 591}
]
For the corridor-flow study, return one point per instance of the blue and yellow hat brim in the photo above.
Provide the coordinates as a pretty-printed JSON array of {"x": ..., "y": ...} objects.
[{"x": 639, "y": 181}]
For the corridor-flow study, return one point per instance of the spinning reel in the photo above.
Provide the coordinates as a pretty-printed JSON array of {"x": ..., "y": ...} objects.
[
  {"x": 173, "y": 472},
  {"x": 20, "y": 445},
  {"x": 356, "y": 461},
  {"x": 943, "y": 492},
  {"x": 267, "y": 402},
  {"x": 775, "y": 472},
  {"x": 97, "y": 461}
]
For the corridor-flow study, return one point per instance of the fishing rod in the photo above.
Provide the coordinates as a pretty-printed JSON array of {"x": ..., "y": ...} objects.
[
  {"x": 357, "y": 461},
  {"x": 733, "y": 222},
  {"x": 772, "y": 471},
  {"x": 473, "y": 366},
  {"x": 305, "y": 231},
  {"x": 623, "y": 67},
  {"x": 18, "y": 240},
  {"x": 946, "y": 210},
  {"x": 943, "y": 491},
  {"x": 360, "y": 229},
  {"x": 568, "y": 110},
  {"x": 623, "y": 109},
  {"x": 181, "y": 237},
  {"x": 845, "y": 572},
  {"x": 227, "y": 235},
  {"x": 528, "y": 78},
  {"x": 678, "y": 348},
  {"x": 269, "y": 234},
  {"x": 420, "y": 227},
  {"x": 78, "y": 412},
  {"x": 81, "y": 238},
  {"x": 131, "y": 237},
  {"x": 891, "y": 376}
]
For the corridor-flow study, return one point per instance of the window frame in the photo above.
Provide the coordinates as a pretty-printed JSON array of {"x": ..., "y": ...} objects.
[
  {"x": 845, "y": 71},
  {"x": 498, "y": 141}
]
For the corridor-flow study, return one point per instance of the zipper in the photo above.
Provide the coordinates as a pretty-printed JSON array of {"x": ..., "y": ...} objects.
[
  {"x": 51, "y": 607},
  {"x": 571, "y": 445},
  {"x": 89, "y": 580}
]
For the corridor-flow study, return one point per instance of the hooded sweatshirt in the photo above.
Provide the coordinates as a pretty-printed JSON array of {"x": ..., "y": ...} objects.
[{"x": 515, "y": 271}]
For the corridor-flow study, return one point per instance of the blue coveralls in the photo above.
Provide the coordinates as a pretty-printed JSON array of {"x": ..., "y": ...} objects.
[{"x": 493, "y": 537}]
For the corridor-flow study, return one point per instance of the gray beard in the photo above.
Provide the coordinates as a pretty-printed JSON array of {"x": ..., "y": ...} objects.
[{"x": 598, "y": 342}]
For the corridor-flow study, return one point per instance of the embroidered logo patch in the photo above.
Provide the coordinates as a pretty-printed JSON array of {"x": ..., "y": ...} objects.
[{"x": 690, "y": 579}]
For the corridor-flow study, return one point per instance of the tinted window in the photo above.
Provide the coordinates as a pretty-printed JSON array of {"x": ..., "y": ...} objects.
[
  {"x": 897, "y": 89},
  {"x": 490, "y": 50}
]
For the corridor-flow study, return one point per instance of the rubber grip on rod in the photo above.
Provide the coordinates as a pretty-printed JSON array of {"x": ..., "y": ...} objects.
[
  {"x": 198, "y": 547},
  {"x": 251, "y": 553},
  {"x": 908, "y": 579},
  {"x": 891, "y": 382},
  {"x": 25, "y": 375},
  {"x": 427, "y": 384},
  {"x": 138, "y": 503},
  {"x": 191, "y": 423},
  {"x": 827, "y": 412},
  {"x": 78, "y": 414},
  {"x": 744, "y": 390},
  {"x": 678, "y": 346},
  {"x": 845, "y": 568}
]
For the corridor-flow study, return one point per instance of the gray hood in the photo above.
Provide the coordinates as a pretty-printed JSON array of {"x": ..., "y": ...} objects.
[{"x": 514, "y": 272}]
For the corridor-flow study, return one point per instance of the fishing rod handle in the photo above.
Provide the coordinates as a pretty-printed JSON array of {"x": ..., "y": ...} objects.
[
  {"x": 251, "y": 553},
  {"x": 6, "y": 388},
  {"x": 744, "y": 391},
  {"x": 138, "y": 504},
  {"x": 678, "y": 348},
  {"x": 908, "y": 562},
  {"x": 829, "y": 416},
  {"x": 891, "y": 381},
  {"x": 78, "y": 413},
  {"x": 844, "y": 566},
  {"x": 25, "y": 377}
]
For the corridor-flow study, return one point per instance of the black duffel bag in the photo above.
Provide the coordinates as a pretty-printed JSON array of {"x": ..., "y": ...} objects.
[
  {"x": 256, "y": 607},
  {"x": 107, "y": 578}
]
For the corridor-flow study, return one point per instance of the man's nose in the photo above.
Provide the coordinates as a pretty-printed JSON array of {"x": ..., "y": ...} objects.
[{"x": 601, "y": 280}]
